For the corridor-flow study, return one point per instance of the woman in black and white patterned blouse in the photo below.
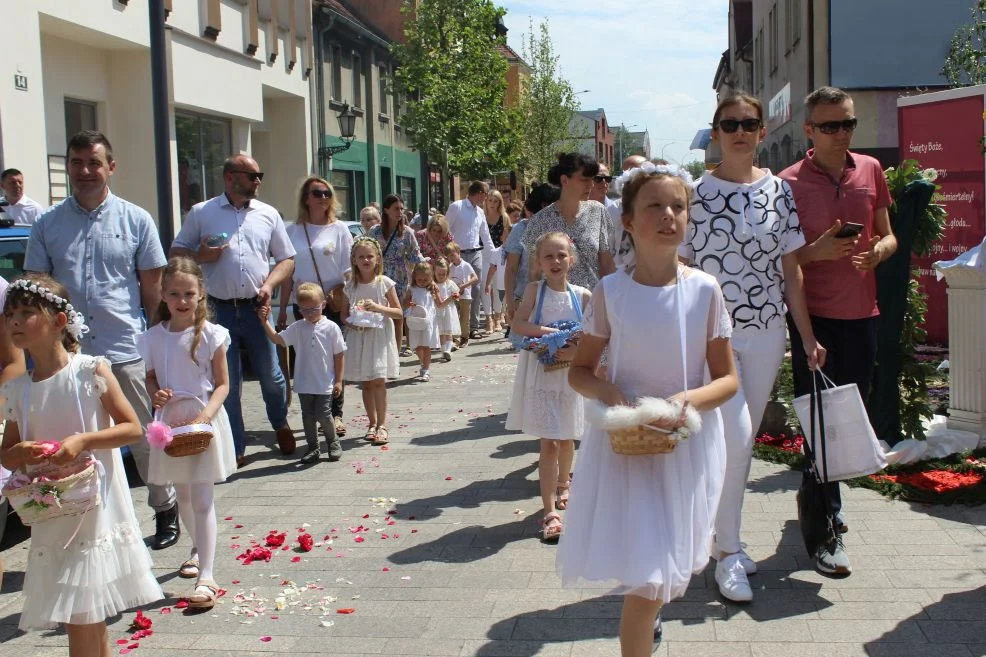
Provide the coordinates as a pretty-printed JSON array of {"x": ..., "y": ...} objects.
[
  {"x": 743, "y": 229},
  {"x": 584, "y": 221}
]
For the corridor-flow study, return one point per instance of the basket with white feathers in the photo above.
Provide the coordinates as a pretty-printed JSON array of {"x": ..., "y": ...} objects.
[{"x": 633, "y": 430}]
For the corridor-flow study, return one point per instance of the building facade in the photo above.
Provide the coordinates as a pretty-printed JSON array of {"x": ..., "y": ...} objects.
[
  {"x": 780, "y": 50},
  {"x": 354, "y": 67},
  {"x": 73, "y": 66},
  {"x": 591, "y": 131}
]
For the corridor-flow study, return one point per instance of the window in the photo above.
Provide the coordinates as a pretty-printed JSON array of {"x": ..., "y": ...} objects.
[
  {"x": 357, "y": 81},
  {"x": 383, "y": 83},
  {"x": 79, "y": 116},
  {"x": 336, "y": 93},
  {"x": 773, "y": 45},
  {"x": 203, "y": 144},
  {"x": 408, "y": 190},
  {"x": 788, "y": 29},
  {"x": 795, "y": 21},
  {"x": 342, "y": 185}
]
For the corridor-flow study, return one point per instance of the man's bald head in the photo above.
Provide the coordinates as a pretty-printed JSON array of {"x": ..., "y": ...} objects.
[
  {"x": 242, "y": 176},
  {"x": 633, "y": 161}
]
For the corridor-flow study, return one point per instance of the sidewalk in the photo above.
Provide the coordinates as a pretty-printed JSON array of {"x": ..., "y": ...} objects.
[{"x": 457, "y": 568}]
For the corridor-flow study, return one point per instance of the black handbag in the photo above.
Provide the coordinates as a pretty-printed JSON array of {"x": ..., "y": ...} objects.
[{"x": 817, "y": 522}]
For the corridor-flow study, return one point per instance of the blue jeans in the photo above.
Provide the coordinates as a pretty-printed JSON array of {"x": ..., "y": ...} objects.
[{"x": 244, "y": 328}]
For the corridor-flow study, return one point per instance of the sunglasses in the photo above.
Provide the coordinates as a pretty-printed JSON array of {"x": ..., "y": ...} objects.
[
  {"x": 606, "y": 179},
  {"x": 832, "y": 127},
  {"x": 729, "y": 126},
  {"x": 252, "y": 175},
  {"x": 320, "y": 193}
]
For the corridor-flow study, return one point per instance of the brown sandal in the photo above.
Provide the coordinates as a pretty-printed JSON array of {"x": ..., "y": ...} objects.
[
  {"x": 189, "y": 568},
  {"x": 382, "y": 437},
  {"x": 200, "y": 600},
  {"x": 551, "y": 528},
  {"x": 561, "y": 491}
]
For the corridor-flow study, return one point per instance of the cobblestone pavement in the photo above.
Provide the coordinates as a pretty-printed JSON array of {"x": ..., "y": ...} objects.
[{"x": 456, "y": 569}]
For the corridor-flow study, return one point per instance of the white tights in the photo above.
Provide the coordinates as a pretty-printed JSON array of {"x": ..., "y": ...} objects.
[
  {"x": 758, "y": 357},
  {"x": 198, "y": 513}
]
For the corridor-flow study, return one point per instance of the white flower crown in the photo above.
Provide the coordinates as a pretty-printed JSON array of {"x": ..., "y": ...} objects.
[
  {"x": 76, "y": 325},
  {"x": 649, "y": 168}
]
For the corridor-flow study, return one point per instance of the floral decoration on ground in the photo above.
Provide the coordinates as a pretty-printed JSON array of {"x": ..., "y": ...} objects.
[{"x": 955, "y": 479}]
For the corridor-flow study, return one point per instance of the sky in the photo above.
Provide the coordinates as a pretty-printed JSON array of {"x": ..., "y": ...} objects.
[{"x": 648, "y": 63}]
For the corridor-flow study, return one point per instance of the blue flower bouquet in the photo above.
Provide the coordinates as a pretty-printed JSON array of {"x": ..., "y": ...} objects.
[{"x": 569, "y": 332}]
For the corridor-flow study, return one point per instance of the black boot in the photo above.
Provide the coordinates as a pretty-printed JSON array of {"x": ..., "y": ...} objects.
[{"x": 166, "y": 531}]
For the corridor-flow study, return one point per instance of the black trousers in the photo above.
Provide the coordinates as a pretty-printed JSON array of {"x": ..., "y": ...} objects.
[
  {"x": 851, "y": 351},
  {"x": 332, "y": 316}
]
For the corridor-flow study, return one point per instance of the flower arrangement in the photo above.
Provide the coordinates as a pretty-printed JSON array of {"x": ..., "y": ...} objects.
[
  {"x": 53, "y": 491},
  {"x": 569, "y": 333},
  {"x": 159, "y": 435}
]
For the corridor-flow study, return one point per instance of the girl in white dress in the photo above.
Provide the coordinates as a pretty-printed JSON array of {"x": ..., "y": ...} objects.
[
  {"x": 448, "y": 311},
  {"x": 422, "y": 294},
  {"x": 84, "y": 569},
  {"x": 371, "y": 350},
  {"x": 185, "y": 356},
  {"x": 543, "y": 403},
  {"x": 642, "y": 524}
]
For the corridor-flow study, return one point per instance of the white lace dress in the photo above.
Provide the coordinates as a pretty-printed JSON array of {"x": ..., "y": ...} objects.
[
  {"x": 167, "y": 354},
  {"x": 82, "y": 569},
  {"x": 424, "y": 337},
  {"x": 543, "y": 404},
  {"x": 372, "y": 353},
  {"x": 448, "y": 315},
  {"x": 642, "y": 524}
]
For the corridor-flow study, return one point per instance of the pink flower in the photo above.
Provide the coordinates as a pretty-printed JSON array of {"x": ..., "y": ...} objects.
[{"x": 159, "y": 435}]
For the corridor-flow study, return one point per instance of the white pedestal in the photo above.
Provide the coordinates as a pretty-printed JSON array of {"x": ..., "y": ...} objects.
[{"x": 967, "y": 350}]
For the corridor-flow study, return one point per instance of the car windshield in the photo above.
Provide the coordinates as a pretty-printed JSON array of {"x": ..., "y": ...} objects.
[{"x": 12, "y": 257}]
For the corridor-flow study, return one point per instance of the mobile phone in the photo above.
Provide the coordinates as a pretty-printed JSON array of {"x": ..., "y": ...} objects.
[{"x": 849, "y": 229}]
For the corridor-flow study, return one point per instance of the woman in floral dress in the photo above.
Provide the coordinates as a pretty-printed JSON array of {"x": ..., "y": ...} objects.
[{"x": 400, "y": 253}]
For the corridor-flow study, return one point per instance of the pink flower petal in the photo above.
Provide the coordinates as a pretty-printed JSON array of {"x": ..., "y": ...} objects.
[
  {"x": 359, "y": 539},
  {"x": 124, "y": 651},
  {"x": 236, "y": 581},
  {"x": 122, "y": 642},
  {"x": 166, "y": 610},
  {"x": 386, "y": 570},
  {"x": 295, "y": 559},
  {"x": 181, "y": 604},
  {"x": 237, "y": 526},
  {"x": 449, "y": 478},
  {"x": 265, "y": 639},
  {"x": 228, "y": 518}
]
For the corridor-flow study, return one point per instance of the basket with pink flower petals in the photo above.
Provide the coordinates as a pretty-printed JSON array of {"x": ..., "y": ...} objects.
[{"x": 55, "y": 491}]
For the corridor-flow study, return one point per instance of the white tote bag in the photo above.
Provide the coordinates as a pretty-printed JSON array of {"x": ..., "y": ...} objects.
[{"x": 852, "y": 449}]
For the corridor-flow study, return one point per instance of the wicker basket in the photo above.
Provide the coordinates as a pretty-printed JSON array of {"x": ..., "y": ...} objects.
[
  {"x": 641, "y": 440},
  {"x": 67, "y": 490},
  {"x": 418, "y": 318},
  {"x": 556, "y": 365},
  {"x": 187, "y": 439}
]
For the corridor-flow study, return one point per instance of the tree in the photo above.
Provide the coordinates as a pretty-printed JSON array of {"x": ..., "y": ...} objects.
[
  {"x": 965, "y": 63},
  {"x": 452, "y": 69},
  {"x": 546, "y": 106},
  {"x": 695, "y": 168}
]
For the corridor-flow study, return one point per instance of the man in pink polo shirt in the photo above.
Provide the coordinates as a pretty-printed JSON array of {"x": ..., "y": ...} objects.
[{"x": 842, "y": 200}]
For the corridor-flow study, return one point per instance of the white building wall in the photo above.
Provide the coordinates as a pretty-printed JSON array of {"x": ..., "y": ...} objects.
[{"x": 99, "y": 51}]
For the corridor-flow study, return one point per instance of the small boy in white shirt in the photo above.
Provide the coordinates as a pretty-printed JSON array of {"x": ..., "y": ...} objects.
[
  {"x": 463, "y": 275},
  {"x": 319, "y": 353}
]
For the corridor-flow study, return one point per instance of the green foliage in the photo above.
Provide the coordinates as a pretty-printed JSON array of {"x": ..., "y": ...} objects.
[
  {"x": 965, "y": 63},
  {"x": 453, "y": 70},
  {"x": 928, "y": 229},
  {"x": 546, "y": 106},
  {"x": 696, "y": 168}
]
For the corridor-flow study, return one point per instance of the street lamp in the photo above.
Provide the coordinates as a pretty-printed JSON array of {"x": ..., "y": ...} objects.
[{"x": 347, "y": 132}]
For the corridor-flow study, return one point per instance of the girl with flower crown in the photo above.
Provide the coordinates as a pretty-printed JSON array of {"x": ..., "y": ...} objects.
[
  {"x": 81, "y": 569},
  {"x": 744, "y": 230},
  {"x": 641, "y": 524},
  {"x": 188, "y": 380}
]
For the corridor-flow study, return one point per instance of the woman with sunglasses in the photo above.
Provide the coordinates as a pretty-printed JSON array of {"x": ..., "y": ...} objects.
[
  {"x": 743, "y": 229},
  {"x": 400, "y": 253},
  {"x": 322, "y": 244}
]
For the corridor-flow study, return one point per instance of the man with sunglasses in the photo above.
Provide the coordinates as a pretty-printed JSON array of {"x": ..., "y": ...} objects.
[
  {"x": 842, "y": 199},
  {"x": 233, "y": 236}
]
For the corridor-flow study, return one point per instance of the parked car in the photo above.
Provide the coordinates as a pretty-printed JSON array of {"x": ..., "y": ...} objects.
[{"x": 13, "y": 246}]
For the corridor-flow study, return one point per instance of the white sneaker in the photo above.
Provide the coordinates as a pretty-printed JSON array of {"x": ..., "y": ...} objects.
[
  {"x": 731, "y": 578},
  {"x": 425, "y": 376},
  {"x": 749, "y": 565}
]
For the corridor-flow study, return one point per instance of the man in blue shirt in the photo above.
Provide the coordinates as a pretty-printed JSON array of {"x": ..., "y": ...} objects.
[{"x": 107, "y": 253}]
